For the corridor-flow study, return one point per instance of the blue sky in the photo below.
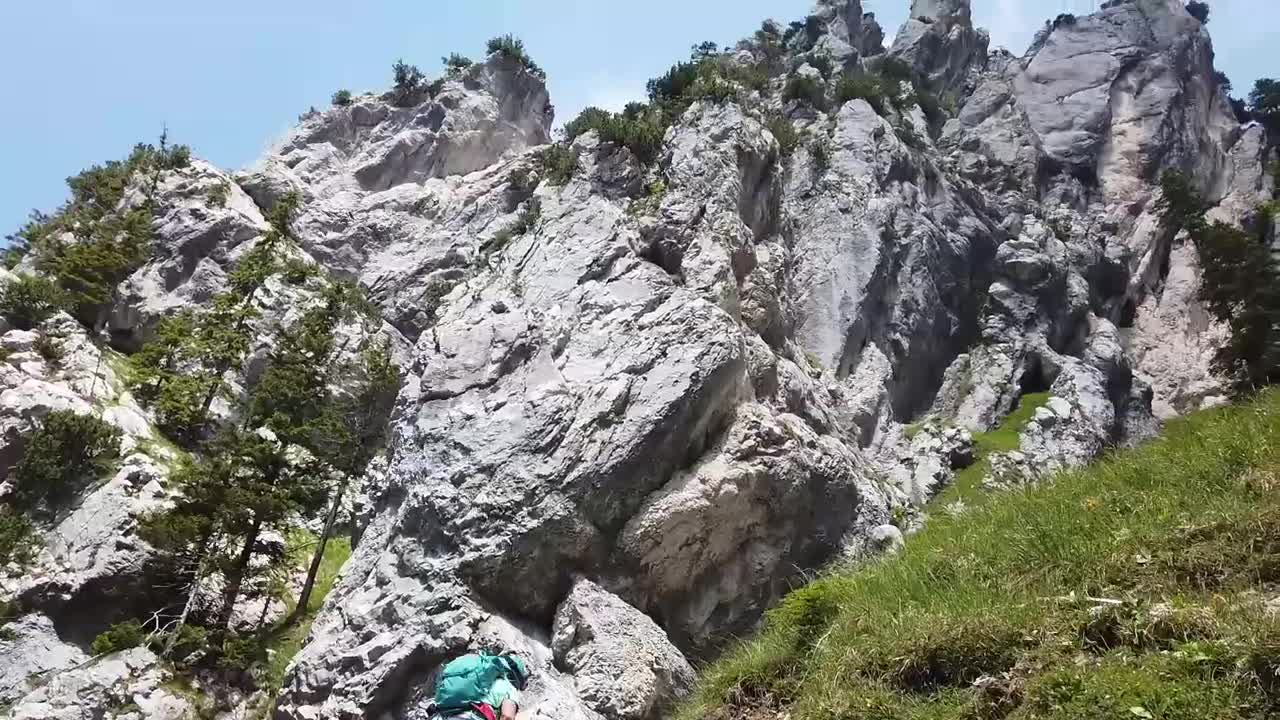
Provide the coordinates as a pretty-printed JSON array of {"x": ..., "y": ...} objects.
[{"x": 86, "y": 79}]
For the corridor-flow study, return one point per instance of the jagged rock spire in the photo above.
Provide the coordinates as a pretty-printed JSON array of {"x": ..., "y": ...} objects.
[
  {"x": 940, "y": 42},
  {"x": 947, "y": 10}
]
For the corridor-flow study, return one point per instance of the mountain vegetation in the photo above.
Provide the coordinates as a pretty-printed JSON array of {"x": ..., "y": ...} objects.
[
  {"x": 1135, "y": 588},
  {"x": 570, "y": 306},
  {"x": 1240, "y": 280}
]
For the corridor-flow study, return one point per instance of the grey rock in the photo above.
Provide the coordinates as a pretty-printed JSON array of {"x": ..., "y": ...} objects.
[
  {"x": 30, "y": 650},
  {"x": 940, "y": 43},
  {"x": 674, "y": 406},
  {"x": 923, "y": 463},
  {"x": 622, "y": 663},
  {"x": 128, "y": 684},
  {"x": 888, "y": 539}
]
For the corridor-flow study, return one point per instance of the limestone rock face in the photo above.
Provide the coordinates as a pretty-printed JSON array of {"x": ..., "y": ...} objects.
[
  {"x": 668, "y": 401},
  {"x": 641, "y": 405},
  {"x": 29, "y": 650},
  {"x": 125, "y": 685},
  {"x": 622, "y": 663},
  {"x": 940, "y": 43},
  {"x": 384, "y": 200}
]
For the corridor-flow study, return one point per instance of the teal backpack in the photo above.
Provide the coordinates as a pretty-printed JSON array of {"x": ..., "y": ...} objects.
[{"x": 467, "y": 680}]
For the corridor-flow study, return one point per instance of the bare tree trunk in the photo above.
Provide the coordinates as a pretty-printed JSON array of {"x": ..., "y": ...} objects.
[
  {"x": 318, "y": 556},
  {"x": 192, "y": 594},
  {"x": 235, "y": 580}
]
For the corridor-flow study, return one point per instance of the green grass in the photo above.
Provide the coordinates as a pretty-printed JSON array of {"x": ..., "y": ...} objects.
[
  {"x": 967, "y": 485},
  {"x": 1131, "y": 589},
  {"x": 286, "y": 640}
]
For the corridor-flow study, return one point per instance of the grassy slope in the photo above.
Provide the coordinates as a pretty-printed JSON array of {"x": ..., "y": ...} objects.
[{"x": 1133, "y": 589}]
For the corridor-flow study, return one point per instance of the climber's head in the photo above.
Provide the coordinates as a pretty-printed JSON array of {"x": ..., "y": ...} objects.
[{"x": 517, "y": 671}]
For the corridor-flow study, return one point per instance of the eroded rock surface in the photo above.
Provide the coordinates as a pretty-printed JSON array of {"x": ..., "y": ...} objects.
[
  {"x": 642, "y": 405},
  {"x": 622, "y": 664}
]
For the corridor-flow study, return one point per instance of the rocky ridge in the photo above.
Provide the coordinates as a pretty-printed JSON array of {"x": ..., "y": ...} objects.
[{"x": 625, "y": 431}]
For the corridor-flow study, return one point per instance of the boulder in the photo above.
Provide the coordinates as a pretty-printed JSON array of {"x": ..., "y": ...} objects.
[{"x": 622, "y": 663}]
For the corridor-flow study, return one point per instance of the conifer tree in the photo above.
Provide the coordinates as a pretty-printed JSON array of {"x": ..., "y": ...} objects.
[
  {"x": 1239, "y": 284},
  {"x": 184, "y": 371},
  {"x": 352, "y": 431}
]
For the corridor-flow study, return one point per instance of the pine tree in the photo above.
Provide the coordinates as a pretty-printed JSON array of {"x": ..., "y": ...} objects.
[
  {"x": 267, "y": 486},
  {"x": 352, "y": 432},
  {"x": 161, "y": 358},
  {"x": 225, "y": 339},
  {"x": 1238, "y": 285},
  {"x": 66, "y": 452},
  {"x": 183, "y": 371}
]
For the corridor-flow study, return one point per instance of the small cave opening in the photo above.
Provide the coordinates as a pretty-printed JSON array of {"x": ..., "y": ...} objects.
[{"x": 1034, "y": 380}]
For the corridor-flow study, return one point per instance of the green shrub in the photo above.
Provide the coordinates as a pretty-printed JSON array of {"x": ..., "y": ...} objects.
[
  {"x": 241, "y": 652},
  {"x": 1064, "y": 20},
  {"x": 218, "y": 194},
  {"x": 49, "y": 347},
  {"x": 1264, "y": 102},
  {"x": 90, "y": 245},
  {"x": 512, "y": 48},
  {"x": 408, "y": 84},
  {"x": 861, "y": 86},
  {"x": 807, "y": 31},
  {"x": 806, "y": 89},
  {"x": 768, "y": 42},
  {"x": 522, "y": 181},
  {"x": 640, "y": 130},
  {"x": 30, "y": 300},
  {"x": 673, "y": 85},
  {"x": 713, "y": 88},
  {"x": 454, "y": 64},
  {"x": 342, "y": 98},
  {"x": 559, "y": 163},
  {"x": 894, "y": 69},
  {"x": 90, "y": 268},
  {"x": 17, "y": 539},
  {"x": 526, "y": 221},
  {"x": 1238, "y": 274},
  {"x": 297, "y": 271},
  {"x": 64, "y": 454},
  {"x": 820, "y": 155},
  {"x": 121, "y": 636},
  {"x": 706, "y": 77},
  {"x": 821, "y": 63},
  {"x": 529, "y": 216},
  {"x": 191, "y": 639},
  {"x": 176, "y": 157},
  {"x": 649, "y": 202},
  {"x": 37, "y": 227},
  {"x": 784, "y": 132}
]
